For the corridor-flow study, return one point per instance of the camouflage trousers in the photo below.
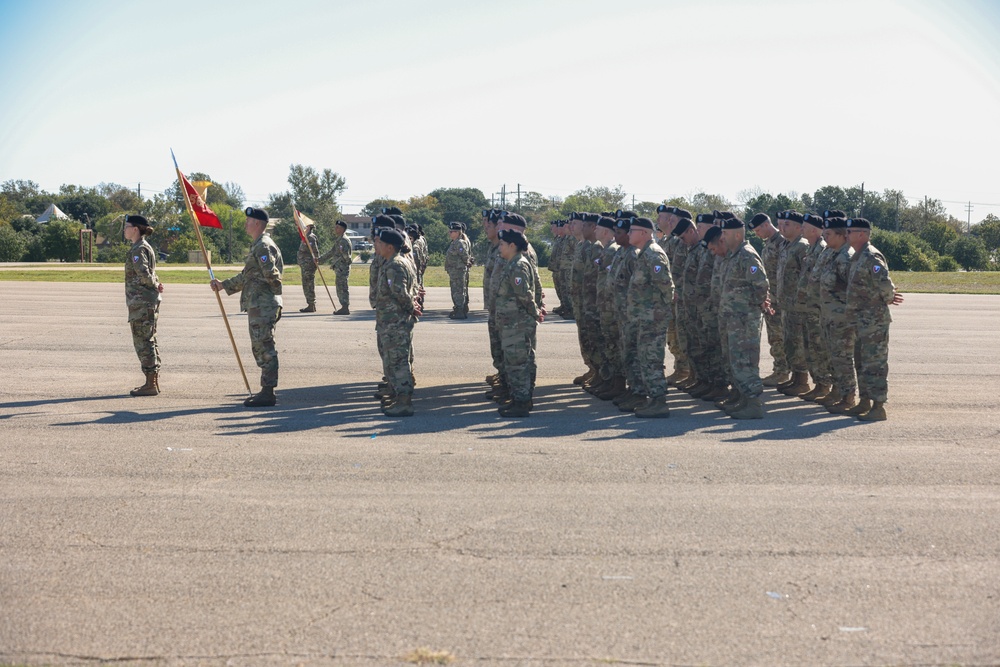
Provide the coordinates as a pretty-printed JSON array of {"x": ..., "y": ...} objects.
[
  {"x": 650, "y": 350},
  {"x": 775, "y": 339},
  {"x": 343, "y": 276},
  {"x": 871, "y": 360},
  {"x": 793, "y": 335},
  {"x": 611, "y": 337},
  {"x": 817, "y": 350},
  {"x": 308, "y": 270},
  {"x": 396, "y": 347},
  {"x": 677, "y": 350},
  {"x": 839, "y": 335},
  {"x": 560, "y": 287},
  {"x": 708, "y": 330},
  {"x": 628, "y": 337},
  {"x": 144, "y": 339},
  {"x": 566, "y": 300},
  {"x": 517, "y": 340},
  {"x": 588, "y": 327},
  {"x": 687, "y": 323},
  {"x": 740, "y": 334},
  {"x": 262, "y": 322},
  {"x": 459, "y": 281},
  {"x": 496, "y": 351}
]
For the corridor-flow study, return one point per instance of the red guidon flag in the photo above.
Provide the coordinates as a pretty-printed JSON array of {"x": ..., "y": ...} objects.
[
  {"x": 302, "y": 221},
  {"x": 206, "y": 217}
]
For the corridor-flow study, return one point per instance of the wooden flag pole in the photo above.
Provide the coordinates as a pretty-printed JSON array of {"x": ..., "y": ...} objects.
[
  {"x": 298, "y": 223},
  {"x": 211, "y": 274}
]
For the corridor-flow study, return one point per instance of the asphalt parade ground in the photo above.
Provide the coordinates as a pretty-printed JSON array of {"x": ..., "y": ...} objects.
[{"x": 184, "y": 529}]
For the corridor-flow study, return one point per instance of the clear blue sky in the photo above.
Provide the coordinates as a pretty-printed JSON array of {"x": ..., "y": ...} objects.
[{"x": 664, "y": 97}]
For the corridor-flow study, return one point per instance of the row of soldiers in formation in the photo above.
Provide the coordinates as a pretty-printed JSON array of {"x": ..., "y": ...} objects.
[
  {"x": 697, "y": 287},
  {"x": 635, "y": 287}
]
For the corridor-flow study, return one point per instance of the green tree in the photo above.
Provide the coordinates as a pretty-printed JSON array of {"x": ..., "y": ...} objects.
[
  {"x": 375, "y": 206},
  {"x": 988, "y": 231},
  {"x": 8, "y": 211},
  {"x": 594, "y": 200},
  {"x": 939, "y": 235},
  {"x": 26, "y": 196},
  {"x": 971, "y": 253},
  {"x": 947, "y": 263},
  {"x": 121, "y": 198},
  {"x": 461, "y": 205},
  {"x": 61, "y": 240},
  {"x": 82, "y": 204},
  {"x": 12, "y": 244}
]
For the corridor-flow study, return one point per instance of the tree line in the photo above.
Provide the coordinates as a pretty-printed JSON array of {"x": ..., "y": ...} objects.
[{"x": 918, "y": 237}]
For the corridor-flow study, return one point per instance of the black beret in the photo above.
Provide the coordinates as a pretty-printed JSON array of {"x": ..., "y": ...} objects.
[
  {"x": 813, "y": 219},
  {"x": 663, "y": 208},
  {"x": 682, "y": 213},
  {"x": 515, "y": 237},
  {"x": 724, "y": 215},
  {"x": 759, "y": 220},
  {"x": 383, "y": 221},
  {"x": 591, "y": 217},
  {"x": 607, "y": 214},
  {"x": 682, "y": 226},
  {"x": 713, "y": 234},
  {"x": 398, "y": 220},
  {"x": 137, "y": 221},
  {"x": 858, "y": 223},
  {"x": 391, "y": 210},
  {"x": 835, "y": 223},
  {"x": 834, "y": 213},
  {"x": 780, "y": 215},
  {"x": 497, "y": 215},
  {"x": 455, "y": 226},
  {"x": 392, "y": 237},
  {"x": 626, "y": 214},
  {"x": 705, "y": 218},
  {"x": 794, "y": 216},
  {"x": 732, "y": 223},
  {"x": 641, "y": 223},
  {"x": 554, "y": 222},
  {"x": 257, "y": 213},
  {"x": 623, "y": 224},
  {"x": 575, "y": 216},
  {"x": 341, "y": 223},
  {"x": 516, "y": 220},
  {"x": 606, "y": 221}
]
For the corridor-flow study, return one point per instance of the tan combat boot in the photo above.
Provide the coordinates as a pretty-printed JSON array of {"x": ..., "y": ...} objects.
[
  {"x": 776, "y": 378},
  {"x": 863, "y": 406},
  {"x": 401, "y": 407},
  {"x": 264, "y": 398},
  {"x": 799, "y": 385},
  {"x": 876, "y": 414},
  {"x": 516, "y": 409},
  {"x": 655, "y": 408},
  {"x": 633, "y": 402},
  {"x": 832, "y": 398},
  {"x": 818, "y": 393},
  {"x": 847, "y": 402},
  {"x": 752, "y": 409},
  {"x": 151, "y": 388},
  {"x": 730, "y": 400}
]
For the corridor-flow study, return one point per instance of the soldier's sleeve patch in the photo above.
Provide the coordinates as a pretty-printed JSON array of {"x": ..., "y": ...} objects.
[
  {"x": 753, "y": 269},
  {"x": 597, "y": 261},
  {"x": 135, "y": 259},
  {"x": 263, "y": 258},
  {"x": 517, "y": 281},
  {"x": 389, "y": 280},
  {"x": 876, "y": 268},
  {"x": 657, "y": 268}
]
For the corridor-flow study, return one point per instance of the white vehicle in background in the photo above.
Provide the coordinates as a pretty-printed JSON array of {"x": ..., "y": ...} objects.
[{"x": 358, "y": 242}]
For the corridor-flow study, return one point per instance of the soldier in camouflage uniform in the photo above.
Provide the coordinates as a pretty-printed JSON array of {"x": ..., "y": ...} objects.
[
  {"x": 787, "y": 281},
  {"x": 566, "y": 270},
  {"x": 421, "y": 254},
  {"x": 701, "y": 315},
  {"x": 837, "y": 329},
  {"x": 650, "y": 306},
  {"x": 396, "y": 311},
  {"x": 612, "y": 375},
  {"x": 342, "y": 255},
  {"x": 619, "y": 277},
  {"x": 687, "y": 291},
  {"x": 517, "y": 319},
  {"x": 808, "y": 301},
  {"x": 773, "y": 243},
  {"x": 870, "y": 292},
  {"x": 306, "y": 259},
  {"x": 490, "y": 220},
  {"x": 142, "y": 297},
  {"x": 667, "y": 218},
  {"x": 555, "y": 256},
  {"x": 260, "y": 287},
  {"x": 584, "y": 291},
  {"x": 457, "y": 261},
  {"x": 744, "y": 300}
]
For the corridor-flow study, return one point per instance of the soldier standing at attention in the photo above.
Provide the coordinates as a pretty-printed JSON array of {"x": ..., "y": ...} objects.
[
  {"x": 792, "y": 328},
  {"x": 260, "y": 284},
  {"x": 817, "y": 352},
  {"x": 870, "y": 292},
  {"x": 612, "y": 376},
  {"x": 142, "y": 297},
  {"x": 306, "y": 259},
  {"x": 457, "y": 261},
  {"x": 686, "y": 297},
  {"x": 773, "y": 243},
  {"x": 517, "y": 316},
  {"x": 554, "y": 249},
  {"x": 420, "y": 252},
  {"x": 343, "y": 256},
  {"x": 744, "y": 300},
  {"x": 838, "y": 331},
  {"x": 650, "y": 306}
]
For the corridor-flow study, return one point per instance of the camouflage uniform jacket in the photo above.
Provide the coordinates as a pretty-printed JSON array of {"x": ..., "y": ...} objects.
[
  {"x": 498, "y": 264},
  {"x": 769, "y": 255},
  {"x": 619, "y": 277},
  {"x": 677, "y": 262},
  {"x": 651, "y": 289},
  {"x": 555, "y": 255},
  {"x": 532, "y": 258},
  {"x": 457, "y": 257},
  {"x": 397, "y": 289},
  {"x": 420, "y": 254},
  {"x": 373, "y": 277},
  {"x": 515, "y": 295},
  {"x": 141, "y": 283},
  {"x": 807, "y": 294},
  {"x": 789, "y": 271},
  {"x": 489, "y": 266},
  {"x": 715, "y": 285},
  {"x": 744, "y": 282},
  {"x": 833, "y": 282},
  {"x": 303, "y": 257},
  {"x": 581, "y": 262},
  {"x": 690, "y": 292},
  {"x": 702, "y": 292},
  {"x": 869, "y": 288},
  {"x": 604, "y": 283},
  {"x": 341, "y": 252},
  {"x": 260, "y": 280}
]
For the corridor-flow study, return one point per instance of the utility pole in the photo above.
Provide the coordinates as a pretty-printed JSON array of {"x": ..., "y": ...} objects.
[
  {"x": 968, "y": 224},
  {"x": 518, "y": 196},
  {"x": 138, "y": 190},
  {"x": 925, "y": 210},
  {"x": 503, "y": 196},
  {"x": 633, "y": 202},
  {"x": 897, "y": 211},
  {"x": 862, "y": 214}
]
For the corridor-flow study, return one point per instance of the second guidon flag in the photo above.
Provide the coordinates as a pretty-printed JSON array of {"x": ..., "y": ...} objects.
[
  {"x": 302, "y": 221},
  {"x": 206, "y": 216}
]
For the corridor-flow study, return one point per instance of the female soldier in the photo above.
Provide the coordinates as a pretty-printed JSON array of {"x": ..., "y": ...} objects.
[
  {"x": 517, "y": 317},
  {"x": 142, "y": 296}
]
